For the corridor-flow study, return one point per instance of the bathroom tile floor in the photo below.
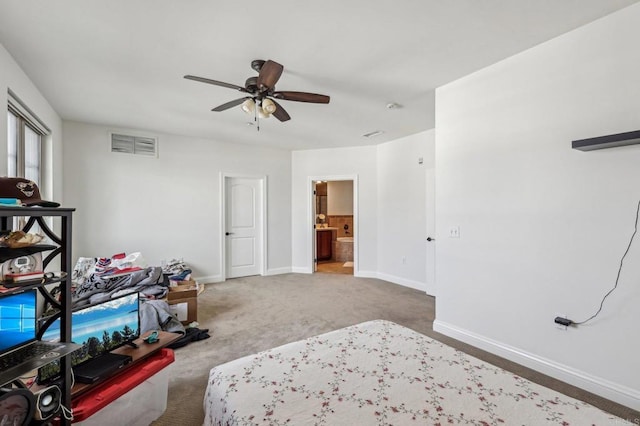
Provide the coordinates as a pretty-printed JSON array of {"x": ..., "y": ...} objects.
[{"x": 330, "y": 267}]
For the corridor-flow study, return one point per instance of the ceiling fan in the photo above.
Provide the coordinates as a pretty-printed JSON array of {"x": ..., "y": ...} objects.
[{"x": 261, "y": 94}]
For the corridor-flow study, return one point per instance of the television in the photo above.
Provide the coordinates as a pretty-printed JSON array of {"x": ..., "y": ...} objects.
[{"x": 99, "y": 328}]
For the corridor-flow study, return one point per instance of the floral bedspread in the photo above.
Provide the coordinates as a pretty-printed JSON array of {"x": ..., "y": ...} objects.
[{"x": 380, "y": 373}]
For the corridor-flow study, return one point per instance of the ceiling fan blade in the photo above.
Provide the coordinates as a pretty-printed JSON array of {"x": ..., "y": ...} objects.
[
  {"x": 302, "y": 97},
  {"x": 280, "y": 113},
  {"x": 230, "y": 104},
  {"x": 215, "y": 82},
  {"x": 269, "y": 75}
]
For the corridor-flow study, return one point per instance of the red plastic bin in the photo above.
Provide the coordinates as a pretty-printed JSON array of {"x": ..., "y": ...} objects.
[{"x": 104, "y": 394}]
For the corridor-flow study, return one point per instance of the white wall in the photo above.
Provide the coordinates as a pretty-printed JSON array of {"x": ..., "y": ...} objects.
[
  {"x": 168, "y": 207},
  {"x": 402, "y": 224},
  {"x": 391, "y": 205},
  {"x": 327, "y": 164},
  {"x": 542, "y": 226},
  {"x": 12, "y": 77},
  {"x": 340, "y": 198}
]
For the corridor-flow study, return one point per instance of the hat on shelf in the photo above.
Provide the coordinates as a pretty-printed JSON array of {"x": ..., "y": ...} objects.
[{"x": 25, "y": 190}]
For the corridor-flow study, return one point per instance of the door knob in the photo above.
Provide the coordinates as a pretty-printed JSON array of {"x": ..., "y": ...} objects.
[
  {"x": 228, "y": 233},
  {"x": 430, "y": 239}
]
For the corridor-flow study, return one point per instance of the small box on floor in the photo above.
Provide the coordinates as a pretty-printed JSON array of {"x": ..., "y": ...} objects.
[{"x": 183, "y": 301}]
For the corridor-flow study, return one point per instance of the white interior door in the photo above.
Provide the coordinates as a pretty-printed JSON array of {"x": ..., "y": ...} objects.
[
  {"x": 243, "y": 230},
  {"x": 430, "y": 261}
]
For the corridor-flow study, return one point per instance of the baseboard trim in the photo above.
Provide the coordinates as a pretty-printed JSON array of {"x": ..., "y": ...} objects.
[
  {"x": 392, "y": 279},
  {"x": 403, "y": 281},
  {"x": 278, "y": 271},
  {"x": 597, "y": 385},
  {"x": 365, "y": 274},
  {"x": 209, "y": 279},
  {"x": 218, "y": 278},
  {"x": 299, "y": 270}
]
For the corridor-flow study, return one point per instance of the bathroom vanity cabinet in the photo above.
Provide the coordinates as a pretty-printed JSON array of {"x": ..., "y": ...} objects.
[{"x": 324, "y": 243}]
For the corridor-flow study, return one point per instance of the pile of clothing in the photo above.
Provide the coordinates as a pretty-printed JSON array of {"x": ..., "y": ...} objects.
[
  {"x": 176, "y": 270},
  {"x": 96, "y": 280}
]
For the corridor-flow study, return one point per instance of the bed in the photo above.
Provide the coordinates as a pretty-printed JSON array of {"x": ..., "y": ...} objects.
[{"x": 381, "y": 373}]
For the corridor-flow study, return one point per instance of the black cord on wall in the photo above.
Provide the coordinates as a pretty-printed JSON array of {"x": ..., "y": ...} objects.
[{"x": 619, "y": 270}]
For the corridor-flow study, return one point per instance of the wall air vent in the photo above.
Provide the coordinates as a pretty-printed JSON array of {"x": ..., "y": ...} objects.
[
  {"x": 609, "y": 141},
  {"x": 134, "y": 145}
]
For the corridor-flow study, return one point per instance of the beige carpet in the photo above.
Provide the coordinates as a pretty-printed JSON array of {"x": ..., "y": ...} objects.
[{"x": 247, "y": 315}]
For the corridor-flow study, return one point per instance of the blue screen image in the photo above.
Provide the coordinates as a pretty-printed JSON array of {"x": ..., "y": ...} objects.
[
  {"x": 116, "y": 317},
  {"x": 98, "y": 328},
  {"x": 17, "y": 319}
]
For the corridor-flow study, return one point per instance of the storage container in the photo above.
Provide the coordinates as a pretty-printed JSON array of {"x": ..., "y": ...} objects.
[{"x": 136, "y": 397}]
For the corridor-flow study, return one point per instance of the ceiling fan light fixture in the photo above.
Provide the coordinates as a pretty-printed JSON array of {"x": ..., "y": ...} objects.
[
  {"x": 248, "y": 106},
  {"x": 268, "y": 106},
  {"x": 263, "y": 114}
]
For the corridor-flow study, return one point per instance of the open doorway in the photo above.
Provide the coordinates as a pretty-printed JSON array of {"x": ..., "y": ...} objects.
[{"x": 334, "y": 232}]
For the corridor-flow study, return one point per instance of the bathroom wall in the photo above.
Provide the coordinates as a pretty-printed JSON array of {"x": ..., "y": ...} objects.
[
  {"x": 340, "y": 221},
  {"x": 340, "y": 198},
  {"x": 340, "y": 206}
]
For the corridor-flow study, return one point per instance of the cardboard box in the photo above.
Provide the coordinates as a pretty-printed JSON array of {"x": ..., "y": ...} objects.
[
  {"x": 183, "y": 289},
  {"x": 183, "y": 301}
]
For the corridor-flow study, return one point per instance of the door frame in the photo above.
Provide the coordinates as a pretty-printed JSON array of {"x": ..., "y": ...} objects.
[
  {"x": 430, "y": 209},
  {"x": 224, "y": 177},
  {"x": 311, "y": 218}
]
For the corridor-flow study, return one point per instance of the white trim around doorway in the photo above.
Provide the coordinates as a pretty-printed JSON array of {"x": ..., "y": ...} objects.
[{"x": 311, "y": 219}]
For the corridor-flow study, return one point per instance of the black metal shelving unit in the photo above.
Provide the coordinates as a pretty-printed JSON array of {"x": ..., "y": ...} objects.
[{"x": 61, "y": 247}]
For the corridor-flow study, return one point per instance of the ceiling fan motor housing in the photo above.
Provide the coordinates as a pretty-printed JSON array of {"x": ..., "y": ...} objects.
[
  {"x": 251, "y": 84},
  {"x": 257, "y": 64}
]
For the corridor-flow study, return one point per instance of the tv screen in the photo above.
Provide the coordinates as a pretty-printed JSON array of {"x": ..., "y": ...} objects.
[{"x": 98, "y": 328}]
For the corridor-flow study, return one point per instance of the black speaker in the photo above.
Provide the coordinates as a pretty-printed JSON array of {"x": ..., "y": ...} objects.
[
  {"x": 16, "y": 406},
  {"x": 47, "y": 402}
]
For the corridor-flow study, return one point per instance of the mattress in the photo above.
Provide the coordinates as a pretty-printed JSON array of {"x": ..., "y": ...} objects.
[{"x": 381, "y": 373}]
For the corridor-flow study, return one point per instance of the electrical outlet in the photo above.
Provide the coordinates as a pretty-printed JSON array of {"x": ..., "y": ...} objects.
[{"x": 454, "y": 232}]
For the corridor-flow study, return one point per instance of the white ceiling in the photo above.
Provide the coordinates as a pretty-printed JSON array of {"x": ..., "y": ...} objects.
[{"x": 121, "y": 62}]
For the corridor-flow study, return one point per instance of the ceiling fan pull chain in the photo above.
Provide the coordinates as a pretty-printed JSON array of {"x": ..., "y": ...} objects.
[{"x": 255, "y": 116}]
